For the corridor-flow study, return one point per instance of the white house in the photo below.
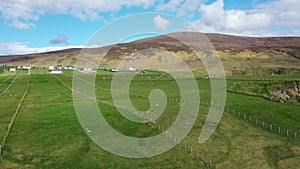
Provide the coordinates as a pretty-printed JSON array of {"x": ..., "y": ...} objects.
[
  {"x": 88, "y": 70},
  {"x": 56, "y": 71},
  {"x": 19, "y": 67},
  {"x": 59, "y": 67},
  {"x": 12, "y": 69},
  {"x": 131, "y": 68},
  {"x": 26, "y": 67},
  {"x": 51, "y": 68},
  {"x": 69, "y": 67},
  {"x": 115, "y": 70}
]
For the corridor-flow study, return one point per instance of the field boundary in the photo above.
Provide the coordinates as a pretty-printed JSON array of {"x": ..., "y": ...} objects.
[
  {"x": 262, "y": 80},
  {"x": 187, "y": 148},
  {"x": 249, "y": 119},
  {"x": 9, "y": 85},
  {"x": 276, "y": 129},
  {"x": 9, "y": 77},
  {"x": 11, "y": 123}
]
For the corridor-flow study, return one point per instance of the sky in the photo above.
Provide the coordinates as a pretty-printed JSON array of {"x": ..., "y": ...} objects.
[{"x": 31, "y": 26}]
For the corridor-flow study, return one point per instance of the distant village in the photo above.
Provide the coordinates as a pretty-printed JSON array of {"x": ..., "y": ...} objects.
[{"x": 59, "y": 68}]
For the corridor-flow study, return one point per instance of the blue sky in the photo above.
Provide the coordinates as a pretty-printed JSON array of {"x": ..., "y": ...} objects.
[{"x": 28, "y": 26}]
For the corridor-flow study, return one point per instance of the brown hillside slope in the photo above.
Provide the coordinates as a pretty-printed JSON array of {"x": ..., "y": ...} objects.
[{"x": 235, "y": 51}]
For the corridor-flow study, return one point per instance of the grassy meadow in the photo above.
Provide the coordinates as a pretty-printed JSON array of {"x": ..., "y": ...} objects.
[{"x": 47, "y": 133}]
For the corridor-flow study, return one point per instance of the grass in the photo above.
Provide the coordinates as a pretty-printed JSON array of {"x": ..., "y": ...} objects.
[
  {"x": 10, "y": 100},
  {"x": 47, "y": 133}
]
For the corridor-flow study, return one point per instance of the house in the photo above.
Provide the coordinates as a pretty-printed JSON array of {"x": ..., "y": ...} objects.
[
  {"x": 131, "y": 68},
  {"x": 26, "y": 67},
  {"x": 19, "y": 67},
  {"x": 59, "y": 67},
  {"x": 55, "y": 71},
  {"x": 3, "y": 64},
  {"x": 12, "y": 69},
  {"x": 51, "y": 68},
  {"x": 88, "y": 70},
  {"x": 115, "y": 70},
  {"x": 69, "y": 68}
]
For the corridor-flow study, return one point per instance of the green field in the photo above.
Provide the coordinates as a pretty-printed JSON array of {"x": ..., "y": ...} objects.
[{"x": 47, "y": 133}]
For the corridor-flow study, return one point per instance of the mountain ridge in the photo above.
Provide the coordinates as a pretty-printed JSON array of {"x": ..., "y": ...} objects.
[{"x": 235, "y": 51}]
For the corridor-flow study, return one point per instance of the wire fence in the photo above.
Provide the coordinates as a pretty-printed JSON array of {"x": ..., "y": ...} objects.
[
  {"x": 197, "y": 155},
  {"x": 12, "y": 121}
]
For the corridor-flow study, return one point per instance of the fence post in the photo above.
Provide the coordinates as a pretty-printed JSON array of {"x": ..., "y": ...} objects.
[
  {"x": 279, "y": 129},
  {"x": 287, "y": 133},
  {"x": 295, "y": 135},
  {"x": 271, "y": 127}
]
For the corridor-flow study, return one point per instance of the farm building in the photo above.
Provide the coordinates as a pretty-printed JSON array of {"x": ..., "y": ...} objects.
[
  {"x": 88, "y": 70},
  {"x": 115, "y": 70},
  {"x": 56, "y": 71},
  {"x": 26, "y": 67},
  {"x": 59, "y": 67},
  {"x": 51, "y": 68},
  {"x": 131, "y": 68},
  {"x": 69, "y": 67},
  {"x": 12, "y": 69}
]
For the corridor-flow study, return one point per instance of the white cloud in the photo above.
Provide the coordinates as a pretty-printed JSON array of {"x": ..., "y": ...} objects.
[
  {"x": 284, "y": 12},
  {"x": 20, "y": 25},
  {"x": 181, "y": 7},
  {"x": 21, "y": 13},
  {"x": 13, "y": 48},
  {"x": 263, "y": 18},
  {"x": 216, "y": 19},
  {"x": 171, "y": 5},
  {"x": 161, "y": 23},
  {"x": 272, "y": 18}
]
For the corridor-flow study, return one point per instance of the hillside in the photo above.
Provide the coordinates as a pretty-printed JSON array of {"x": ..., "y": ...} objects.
[{"x": 240, "y": 55}]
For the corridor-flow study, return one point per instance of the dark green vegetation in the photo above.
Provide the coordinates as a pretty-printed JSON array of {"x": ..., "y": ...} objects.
[
  {"x": 284, "y": 90},
  {"x": 47, "y": 133}
]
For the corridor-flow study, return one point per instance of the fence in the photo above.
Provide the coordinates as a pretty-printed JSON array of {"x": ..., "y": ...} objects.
[
  {"x": 11, "y": 123},
  {"x": 2, "y": 93},
  {"x": 188, "y": 148}
]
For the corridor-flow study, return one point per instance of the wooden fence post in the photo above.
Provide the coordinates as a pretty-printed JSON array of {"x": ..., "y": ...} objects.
[{"x": 271, "y": 127}]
